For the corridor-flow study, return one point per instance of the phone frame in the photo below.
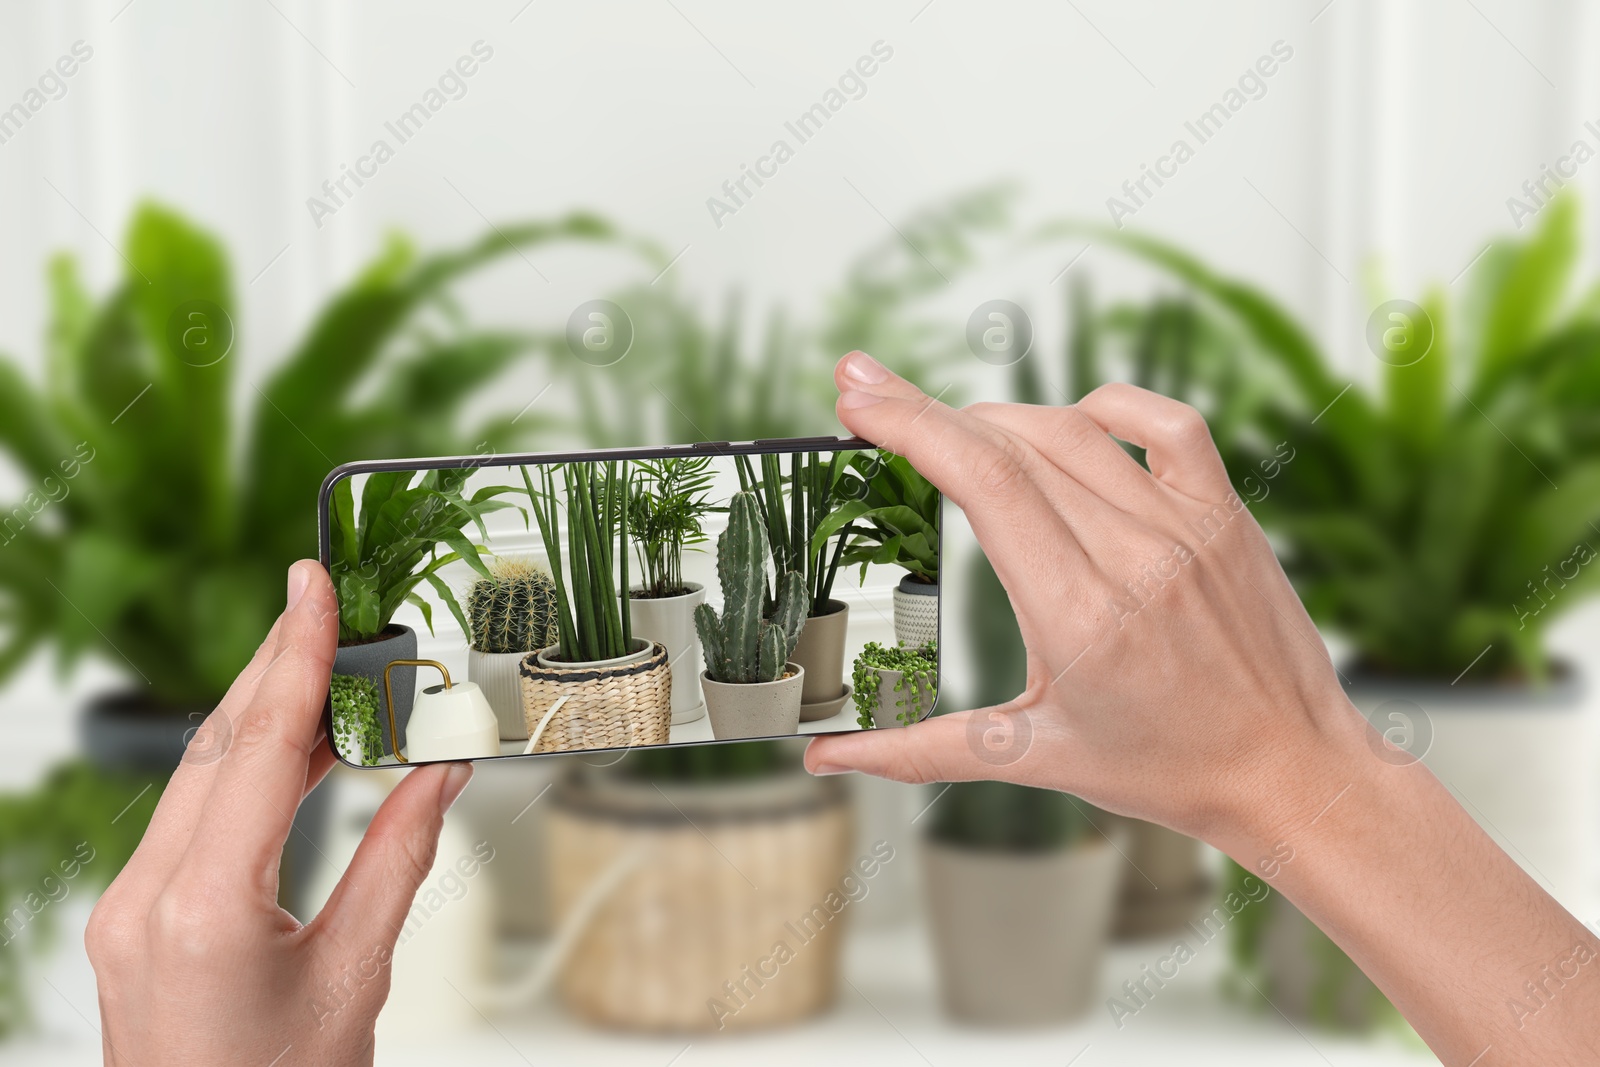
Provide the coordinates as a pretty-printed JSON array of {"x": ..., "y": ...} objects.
[{"x": 763, "y": 446}]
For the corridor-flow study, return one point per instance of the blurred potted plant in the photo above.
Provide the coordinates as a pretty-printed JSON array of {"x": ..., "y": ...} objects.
[
  {"x": 893, "y": 513},
  {"x": 617, "y": 686},
  {"x": 1440, "y": 523},
  {"x": 895, "y": 686},
  {"x": 791, "y": 536},
  {"x": 678, "y": 941},
  {"x": 668, "y": 503},
  {"x": 752, "y": 686},
  {"x": 383, "y": 551},
  {"x": 509, "y": 614},
  {"x": 168, "y": 554},
  {"x": 1021, "y": 885},
  {"x": 356, "y": 732}
]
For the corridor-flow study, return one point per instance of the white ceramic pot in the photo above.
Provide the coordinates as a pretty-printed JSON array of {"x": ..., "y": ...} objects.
[
  {"x": 547, "y": 657},
  {"x": 1019, "y": 937},
  {"x": 496, "y": 674},
  {"x": 670, "y": 620},
  {"x": 916, "y": 612},
  {"x": 1521, "y": 761},
  {"x": 754, "y": 709}
]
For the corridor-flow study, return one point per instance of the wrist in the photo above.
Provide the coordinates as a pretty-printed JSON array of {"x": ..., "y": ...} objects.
[{"x": 1287, "y": 792}]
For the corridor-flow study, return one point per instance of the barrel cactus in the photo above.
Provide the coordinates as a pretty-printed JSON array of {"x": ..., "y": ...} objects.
[
  {"x": 514, "y": 610},
  {"x": 741, "y": 645}
]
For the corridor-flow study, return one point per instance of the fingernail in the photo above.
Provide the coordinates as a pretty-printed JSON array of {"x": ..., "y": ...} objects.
[
  {"x": 854, "y": 398},
  {"x": 863, "y": 368},
  {"x": 298, "y": 580},
  {"x": 455, "y": 780},
  {"x": 822, "y": 770}
]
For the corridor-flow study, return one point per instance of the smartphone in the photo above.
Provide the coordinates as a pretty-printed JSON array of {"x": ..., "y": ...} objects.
[{"x": 497, "y": 606}]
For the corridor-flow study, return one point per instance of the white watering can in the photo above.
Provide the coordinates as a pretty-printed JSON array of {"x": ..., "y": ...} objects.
[{"x": 448, "y": 722}]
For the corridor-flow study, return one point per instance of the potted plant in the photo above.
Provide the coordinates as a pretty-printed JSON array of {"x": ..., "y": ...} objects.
[
  {"x": 791, "y": 526},
  {"x": 510, "y": 613},
  {"x": 629, "y": 969},
  {"x": 893, "y": 513},
  {"x": 668, "y": 502},
  {"x": 752, "y": 685},
  {"x": 1423, "y": 522},
  {"x": 382, "y": 550},
  {"x": 356, "y": 732},
  {"x": 895, "y": 686},
  {"x": 617, "y": 686},
  {"x": 180, "y": 517}
]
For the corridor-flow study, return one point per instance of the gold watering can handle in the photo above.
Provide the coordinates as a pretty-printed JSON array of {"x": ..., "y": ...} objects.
[{"x": 388, "y": 694}]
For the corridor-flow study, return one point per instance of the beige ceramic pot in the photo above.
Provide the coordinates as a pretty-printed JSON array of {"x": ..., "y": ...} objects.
[
  {"x": 820, "y": 651},
  {"x": 1019, "y": 937},
  {"x": 754, "y": 709}
]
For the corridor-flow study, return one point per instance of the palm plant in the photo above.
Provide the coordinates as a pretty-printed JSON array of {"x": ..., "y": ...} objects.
[
  {"x": 668, "y": 503},
  {"x": 892, "y": 511},
  {"x": 382, "y": 554},
  {"x": 1449, "y": 511},
  {"x": 592, "y": 620},
  {"x": 168, "y": 553}
]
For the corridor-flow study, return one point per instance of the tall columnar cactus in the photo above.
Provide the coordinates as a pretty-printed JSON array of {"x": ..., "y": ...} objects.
[
  {"x": 514, "y": 610},
  {"x": 741, "y": 645}
]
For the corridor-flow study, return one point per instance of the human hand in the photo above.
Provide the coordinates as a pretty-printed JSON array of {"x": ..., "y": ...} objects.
[
  {"x": 195, "y": 961},
  {"x": 1172, "y": 673}
]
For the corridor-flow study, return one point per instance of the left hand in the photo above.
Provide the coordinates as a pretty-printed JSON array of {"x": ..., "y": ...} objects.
[{"x": 196, "y": 962}]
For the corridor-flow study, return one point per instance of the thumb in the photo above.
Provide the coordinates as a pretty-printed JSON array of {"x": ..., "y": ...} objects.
[
  {"x": 368, "y": 907},
  {"x": 962, "y": 746}
]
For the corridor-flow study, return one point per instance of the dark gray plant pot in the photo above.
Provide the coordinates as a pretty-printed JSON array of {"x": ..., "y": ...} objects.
[
  {"x": 126, "y": 732},
  {"x": 368, "y": 661}
]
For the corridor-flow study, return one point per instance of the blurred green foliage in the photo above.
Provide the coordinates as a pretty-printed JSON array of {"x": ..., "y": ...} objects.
[
  {"x": 1450, "y": 510},
  {"x": 687, "y": 379},
  {"x": 169, "y": 550},
  {"x": 66, "y": 839}
]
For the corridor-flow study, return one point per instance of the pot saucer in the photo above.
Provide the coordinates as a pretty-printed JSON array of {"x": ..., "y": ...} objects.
[{"x": 826, "y": 709}]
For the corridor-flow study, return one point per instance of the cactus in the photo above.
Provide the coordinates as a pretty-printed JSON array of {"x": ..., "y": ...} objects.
[
  {"x": 514, "y": 610},
  {"x": 741, "y": 645}
]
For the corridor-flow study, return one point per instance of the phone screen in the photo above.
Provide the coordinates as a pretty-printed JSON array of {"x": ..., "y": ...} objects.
[{"x": 511, "y": 606}]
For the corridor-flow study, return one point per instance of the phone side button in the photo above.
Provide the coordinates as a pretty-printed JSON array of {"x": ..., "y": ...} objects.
[
  {"x": 711, "y": 446},
  {"x": 780, "y": 441}
]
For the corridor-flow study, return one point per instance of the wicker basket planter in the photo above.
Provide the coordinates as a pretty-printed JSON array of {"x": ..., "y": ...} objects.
[
  {"x": 729, "y": 870},
  {"x": 610, "y": 704}
]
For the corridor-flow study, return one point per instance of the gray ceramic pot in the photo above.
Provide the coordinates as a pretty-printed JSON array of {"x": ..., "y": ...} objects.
[
  {"x": 755, "y": 709},
  {"x": 893, "y": 704},
  {"x": 820, "y": 651},
  {"x": 368, "y": 661}
]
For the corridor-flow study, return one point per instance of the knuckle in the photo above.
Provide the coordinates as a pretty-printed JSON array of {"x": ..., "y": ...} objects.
[
  {"x": 1188, "y": 427},
  {"x": 111, "y": 936},
  {"x": 997, "y": 471},
  {"x": 185, "y": 921}
]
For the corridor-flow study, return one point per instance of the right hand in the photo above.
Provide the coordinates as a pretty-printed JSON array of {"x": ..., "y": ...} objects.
[{"x": 1173, "y": 674}]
